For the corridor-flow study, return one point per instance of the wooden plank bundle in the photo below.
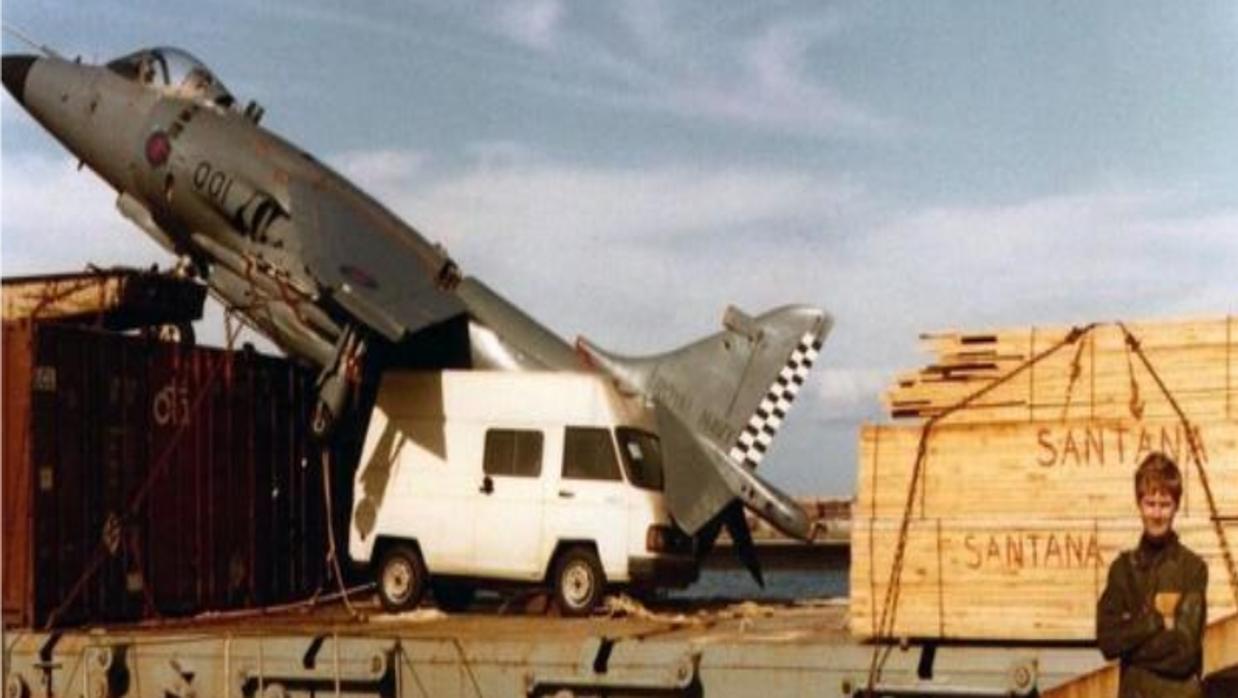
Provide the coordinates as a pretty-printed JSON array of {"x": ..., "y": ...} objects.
[
  {"x": 1023, "y": 502},
  {"x": 1097, "y": 377},
  {"x": 996, "y": 580},
  {"x": 116, "y": 299}
]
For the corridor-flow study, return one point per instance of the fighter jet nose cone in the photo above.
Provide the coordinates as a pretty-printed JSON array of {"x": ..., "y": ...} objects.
[{"x": 16, "y": 68}]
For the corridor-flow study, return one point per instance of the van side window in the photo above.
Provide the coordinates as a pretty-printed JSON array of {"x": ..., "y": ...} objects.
[
  {"x": 513, "y": 452},
  {"x": 642, "y": 457},
  {"x": 589, "y": 454}
]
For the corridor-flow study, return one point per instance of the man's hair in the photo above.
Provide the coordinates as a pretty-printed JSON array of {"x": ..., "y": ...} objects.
[{"x": 1158, "y": 472}]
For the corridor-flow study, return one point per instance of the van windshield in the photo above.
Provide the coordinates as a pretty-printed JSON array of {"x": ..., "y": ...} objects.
[{"x": 642, "y": 457}]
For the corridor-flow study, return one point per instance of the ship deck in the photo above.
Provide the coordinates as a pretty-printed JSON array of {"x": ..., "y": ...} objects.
[{"x": 670, "y": 648}]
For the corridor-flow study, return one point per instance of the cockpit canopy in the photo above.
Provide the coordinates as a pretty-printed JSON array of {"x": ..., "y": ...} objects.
[{"x": 174, "y": 71}]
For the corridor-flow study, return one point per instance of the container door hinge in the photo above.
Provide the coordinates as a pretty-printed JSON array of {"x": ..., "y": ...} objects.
[
  {"x": 107, "y": 671},
  {"x": 1021, "y": 680},
  {"x": 181, "y": 683},
  {"x": 326, "y": 666},
  {"x": 600, "y": 672}
]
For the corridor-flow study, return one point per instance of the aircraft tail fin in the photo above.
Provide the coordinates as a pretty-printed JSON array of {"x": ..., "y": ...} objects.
[{"x": 719, "y": 402}]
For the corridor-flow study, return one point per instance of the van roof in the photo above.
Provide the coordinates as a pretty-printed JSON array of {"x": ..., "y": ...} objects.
[{"x": 559, "y": 397}]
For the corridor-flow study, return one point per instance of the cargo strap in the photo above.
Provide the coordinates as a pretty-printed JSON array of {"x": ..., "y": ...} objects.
[
  {"x": 1076, "y": 370},
  {"x": 889, "y": 609},
  {"x": 49, "y": 298},
  {"x": 1192, "y": 440},
  {"x": 333, "y": 557},
  {"x": 161, "y": 464}
]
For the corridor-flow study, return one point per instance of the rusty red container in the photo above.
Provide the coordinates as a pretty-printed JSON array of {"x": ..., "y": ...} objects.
[{"x": 147, "y": 479}]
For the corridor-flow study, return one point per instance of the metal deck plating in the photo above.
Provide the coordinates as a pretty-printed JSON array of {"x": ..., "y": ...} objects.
[{"x": 718, "y": 650}]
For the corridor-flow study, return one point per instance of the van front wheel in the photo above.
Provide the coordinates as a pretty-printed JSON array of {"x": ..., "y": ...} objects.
[
  {"x": 578, "y": 581},
  {"x": 401, "y": 578}
]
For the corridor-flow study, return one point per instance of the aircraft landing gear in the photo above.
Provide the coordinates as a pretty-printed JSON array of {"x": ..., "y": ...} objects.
[{"x": 338, "y": 382}]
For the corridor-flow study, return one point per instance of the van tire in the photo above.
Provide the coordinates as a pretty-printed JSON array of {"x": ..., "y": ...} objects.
[
  {"x": 401, "y": 578},
  {"x": 452, "y": 597},
  {"x": 578, "y": 581}
]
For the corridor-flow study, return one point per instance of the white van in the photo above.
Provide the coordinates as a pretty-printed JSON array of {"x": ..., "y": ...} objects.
[{"x": 469, "y": 478}]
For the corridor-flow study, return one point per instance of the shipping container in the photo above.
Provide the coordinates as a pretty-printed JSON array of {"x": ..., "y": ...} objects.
[{"x": 148, "y": 479}]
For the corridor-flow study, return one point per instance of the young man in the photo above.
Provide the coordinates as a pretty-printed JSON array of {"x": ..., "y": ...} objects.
[{"x": 1152, "y": 611}]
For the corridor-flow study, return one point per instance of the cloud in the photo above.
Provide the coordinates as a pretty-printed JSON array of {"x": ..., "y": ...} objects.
[
  {"x": 57, "y": 218},
  {"x": 1067, "y": 256},
  {"x": 511, "y": 191},
  {"x": 530, "y": 23},
  {"x": 381, "y": 165},
  {"x": 613, "y": 205},
  {"x": 848, "y": 393},
  {"x": 644, "y": 258},
  {"x": 629, "y": 238},
  {"x": 694, "y": 62},
  {"x": 774, "y": 86},
  {"x": 385, "y": 174}
]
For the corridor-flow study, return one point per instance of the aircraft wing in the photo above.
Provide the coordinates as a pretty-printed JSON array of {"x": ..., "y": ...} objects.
[{"x": 373, "y": 265}]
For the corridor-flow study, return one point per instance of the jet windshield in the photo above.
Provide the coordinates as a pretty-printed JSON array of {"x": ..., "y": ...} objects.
[{"x": 173, "y": 70}]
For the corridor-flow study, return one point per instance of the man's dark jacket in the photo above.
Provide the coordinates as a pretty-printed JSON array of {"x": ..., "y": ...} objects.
[{"x": 1157, "y": 662}]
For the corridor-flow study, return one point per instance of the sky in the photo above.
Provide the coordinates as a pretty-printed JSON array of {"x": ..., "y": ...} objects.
[{"x": 627, "y": 170}]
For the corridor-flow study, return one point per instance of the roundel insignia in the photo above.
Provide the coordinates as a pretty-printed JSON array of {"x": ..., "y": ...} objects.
[
  {"x": 158, "y": 148},
  {"x": 358, "y": 276}
]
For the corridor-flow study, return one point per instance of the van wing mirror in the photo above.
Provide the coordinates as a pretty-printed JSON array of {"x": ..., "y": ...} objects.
[{"x": 487, "y": 485}]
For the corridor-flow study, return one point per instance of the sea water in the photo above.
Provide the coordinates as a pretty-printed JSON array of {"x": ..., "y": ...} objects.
[{"x": 780, "y": 585}]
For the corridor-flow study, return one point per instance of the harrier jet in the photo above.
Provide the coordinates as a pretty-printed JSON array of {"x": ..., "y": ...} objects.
[{"x": 340, "y": 282}]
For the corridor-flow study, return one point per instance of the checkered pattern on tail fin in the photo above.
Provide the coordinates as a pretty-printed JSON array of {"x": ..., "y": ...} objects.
[{"x": 757, "y": 436}]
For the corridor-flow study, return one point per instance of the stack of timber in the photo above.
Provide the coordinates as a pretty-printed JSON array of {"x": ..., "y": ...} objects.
[
  {"x": 1025, "y": 494},
  {"x": 114, "y": 299},
  {"x": 1098, "y": 377}
]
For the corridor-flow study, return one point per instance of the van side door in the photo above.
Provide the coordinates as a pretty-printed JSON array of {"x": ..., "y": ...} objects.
[
  {"x": 508, "y": 516},
  {"x": 590, "y": 500}
]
